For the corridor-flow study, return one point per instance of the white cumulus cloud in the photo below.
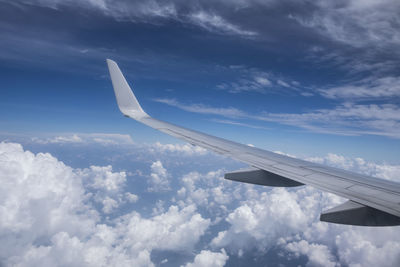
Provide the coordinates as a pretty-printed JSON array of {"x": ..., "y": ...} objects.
[
  {"x": 47, "y": 216},
  {"x": 52, "y": 214},
  {"x": 158, "y": 179},
  {"x": 208, "y": 258},
  {"x": 184, "y": 148}
]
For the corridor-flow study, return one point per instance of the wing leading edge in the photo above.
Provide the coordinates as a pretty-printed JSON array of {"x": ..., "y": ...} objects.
[{"x": 372, "y": 201}]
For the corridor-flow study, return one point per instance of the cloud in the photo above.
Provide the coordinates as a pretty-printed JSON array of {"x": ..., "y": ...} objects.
[
  {"x": 358, "y": 250},
  {"x": 109, "y": 204},
  {"x": 370, "y": 88},
  {"x": 158, "y": 179},
  {"x": 96, "y": 138},
  {"x": 106, "y": 186},
  {"x": 372, "y": 23},
  {"x": 208, "y": 190},
  {"x": 208, "y": 258},
  {"x": 346, "y": 119},
  {"x": 318, "y": 255},
  {"x": 288, "y": 220},
  {"x": 215, "y": 23},
  {"x": 354, "y": 23},
  {"x": 361, "y": 36},
  {"x": 230, "y": 122},
  {"x": 154, "y": 11},
  {"x": 132, "y": 198},
  {"x": 255, "y": 80},
  {"x": 257, "y": 223},
  {"x": 283, "y": 83},
  {"x": 175, "y": 230},
  {"x": 143, "y": 11},
  {"x": 262, "y": 81},
  {"x": 384, "y": 171},
  {"x": 102, "y": 178},
  {"x": 49, "y": 217},
  {"x": 128, "y": 243},
  {"x": 40, "y": 198},
  {"x": 121, "y": 10},
  {"x": 186, "y": 149},
  {"x": 202, "y": 109},
  {"x": 65, "y": 139},
  {"x": 359, "y": 24}
]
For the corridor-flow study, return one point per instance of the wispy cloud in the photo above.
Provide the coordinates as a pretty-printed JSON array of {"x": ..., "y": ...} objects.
[
  {"x": 215, "y": 23},
  {"x": 76, "y": 138},
  {"x": 357, "y": 23},
  {"x": 154, "y": 12},
  {"x": 371, "y": 87},
  {"x": 367, "y": 24},
  {"x": 121, "y": 10},
  {"x": 203, "y": 109},
  {"x": 236, "y": 123},
  {"x": 346, "y": 119},
  {"x": 256, "y": 80}
]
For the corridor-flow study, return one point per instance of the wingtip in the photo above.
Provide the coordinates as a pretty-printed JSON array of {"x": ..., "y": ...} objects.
[
  {"x": 126, "y": 100},
  {"x": 110, "y": 61}
]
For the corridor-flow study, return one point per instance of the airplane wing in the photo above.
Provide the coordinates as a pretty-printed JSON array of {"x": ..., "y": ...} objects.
[{"x": 371, "y": 201}]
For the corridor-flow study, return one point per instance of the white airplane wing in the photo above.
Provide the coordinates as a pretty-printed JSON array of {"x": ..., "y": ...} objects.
[{"x": 371, "y": 201}]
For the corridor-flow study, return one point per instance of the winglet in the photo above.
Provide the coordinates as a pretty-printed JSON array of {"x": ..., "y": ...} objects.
[{"x": 126, "y": 100}]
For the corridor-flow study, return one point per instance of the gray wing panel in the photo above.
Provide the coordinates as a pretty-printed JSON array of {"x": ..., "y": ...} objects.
[
  {"x": 373, "y": 192},
  {"x": 377, "y": 193}
]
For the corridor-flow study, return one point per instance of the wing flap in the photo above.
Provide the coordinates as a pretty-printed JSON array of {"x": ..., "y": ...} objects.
[
  {"x": 260, "y": 177},
  {"x": 353, "y": 213}
]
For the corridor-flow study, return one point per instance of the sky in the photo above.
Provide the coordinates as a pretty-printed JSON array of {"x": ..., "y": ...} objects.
[{"x": 84, "y": 186}]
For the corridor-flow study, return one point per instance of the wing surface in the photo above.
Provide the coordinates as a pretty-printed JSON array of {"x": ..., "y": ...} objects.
[{"x": 379, "y": 195}]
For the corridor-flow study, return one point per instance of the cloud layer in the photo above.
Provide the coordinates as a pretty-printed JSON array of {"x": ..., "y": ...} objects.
[
  {"x": 53, "y": 214},
  {"x": 49, "y": 216}
]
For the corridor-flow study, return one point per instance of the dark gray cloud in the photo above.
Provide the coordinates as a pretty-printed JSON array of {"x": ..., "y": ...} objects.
[{"x": 361, "y": 36}]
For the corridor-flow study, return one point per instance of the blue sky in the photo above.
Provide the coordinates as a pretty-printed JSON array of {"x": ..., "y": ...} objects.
[
  {"x": 264, "y": 74},
  {"x": 316, "y": 80}
]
